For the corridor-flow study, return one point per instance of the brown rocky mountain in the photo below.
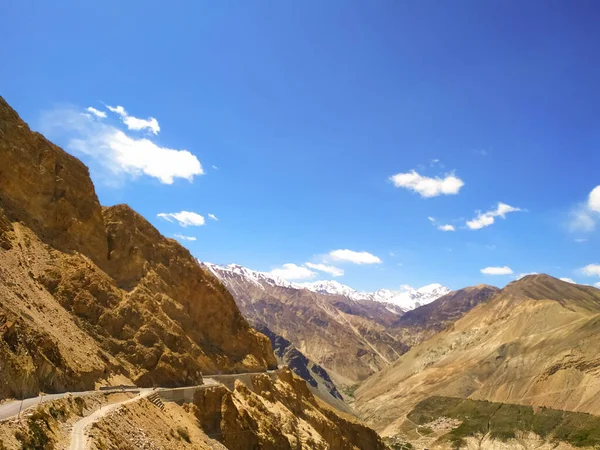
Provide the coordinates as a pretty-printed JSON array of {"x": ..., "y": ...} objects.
[
  {"x": 317, "y": 378},
  {"x": 421, "y": 323},
  {"x": 90, "y": 293},
  {"x": 348, "y": 338},
  {"x": 533, "y": 343},
  {"x": 93, "y": 295}
]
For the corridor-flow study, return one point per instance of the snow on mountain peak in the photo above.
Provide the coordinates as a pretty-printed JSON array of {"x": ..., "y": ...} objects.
[{"x": 405, "y": 299}]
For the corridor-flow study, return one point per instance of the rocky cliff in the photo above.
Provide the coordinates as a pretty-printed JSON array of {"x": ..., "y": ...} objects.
[
  {"x": 91, "y": 294},
  {"x": 278, "y": 413}
]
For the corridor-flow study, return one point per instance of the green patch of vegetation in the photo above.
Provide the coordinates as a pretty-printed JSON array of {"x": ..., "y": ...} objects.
[
  {"x": 502, "y": 421},
  {"x": 350, "y": 390}
]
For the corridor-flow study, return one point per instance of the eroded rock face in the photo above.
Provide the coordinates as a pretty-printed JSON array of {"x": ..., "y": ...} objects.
[
  {"x": 48, "y": 190},
  {"x": 90, "y": 293},
  {"x": 279, "y": 413}
]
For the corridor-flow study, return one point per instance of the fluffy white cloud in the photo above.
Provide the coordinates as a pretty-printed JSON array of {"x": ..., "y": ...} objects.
[
  {"x": 94, "y": 111},
  {"x": 333, "y": 271},
  {"x": 185, "y": 238},
  {"x": 213, "y": 217},
  {"x": 184, "y": 218},
  {"x": 354, "y": 257},
  {"x": 426, "y": 186},
  {"x": 583, "y": 217},
  {"x": 114, "y": 154},
  {"x": 488, "y": 218},
  {"x": 446, "y": 228},
  {"x": 291, "y": 271},
  {"x": 497, "y": 270},
  {"x": 135, "y": 123},
  {"x": 597, "y": 284},
  {"x": 568, "y": 280},
  {"x": 591, "y": 270},
  {"x": 594, "y": 199}
]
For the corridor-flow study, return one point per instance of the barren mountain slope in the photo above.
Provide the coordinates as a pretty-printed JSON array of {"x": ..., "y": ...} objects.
[
  {"x": 534, "y": 343},
  {"x": 348, "y": 338},
  {"x": 421, "y": 323},
  {"x": 318, "y": 380},
  {"x": 89, "y": 293}
]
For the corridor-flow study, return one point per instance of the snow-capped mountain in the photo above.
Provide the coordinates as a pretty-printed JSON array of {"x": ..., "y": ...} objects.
[
  {"x": 396, "y": 301},
  {"x": 399, "y": 301},
  {"x": 254, "y": 276}
]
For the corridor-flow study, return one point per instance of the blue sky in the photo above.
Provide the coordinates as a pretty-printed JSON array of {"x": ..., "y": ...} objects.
[{"x": 296, "y": 114}]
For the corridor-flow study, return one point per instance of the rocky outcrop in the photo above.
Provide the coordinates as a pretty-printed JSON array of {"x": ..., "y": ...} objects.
[
  {"x": 316, "y": 377},
  {"x": 277, "y": 414},
  {"x": 89, "y": 294}
]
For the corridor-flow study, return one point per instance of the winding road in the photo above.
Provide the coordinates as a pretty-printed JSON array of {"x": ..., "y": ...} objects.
[{"x": 79, "y": 435}]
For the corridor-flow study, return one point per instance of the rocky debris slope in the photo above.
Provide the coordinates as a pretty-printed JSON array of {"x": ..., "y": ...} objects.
[
  {"x": 534, "y": 343},
  {"x": 317, "y": 378},
  {"x": 278, "y": 414},
  {"x": 272, "y": 411},
  {"x": 89, "y": 293}
]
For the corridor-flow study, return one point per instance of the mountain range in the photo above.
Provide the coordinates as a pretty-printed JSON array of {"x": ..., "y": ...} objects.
[
  {"x": 398, "y": 301},
  {"x": 534, "y": 343},
  {"x": 94, "y": 296},
  {"x": 350, "y": 334}
]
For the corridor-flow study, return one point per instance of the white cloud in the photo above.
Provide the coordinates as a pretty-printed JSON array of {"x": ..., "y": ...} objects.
[
  {"x": 333, "y": 271},
  {"x": 431, "y": 219},
  {"x": 446, "y": 228},
  {"x": 215, "y": 167},
  {"x": 584, "y": 216},
  {"x": 581, "y": 219},
  {"x": 94, "y": 111},
  {"x": 597, "y": 284},
  {"x": 184, "y": 218},
  {"x": 426, "y": 186},
  {"x": 488, "y": 218},
  {"x": 291, "y": 271},
  {"x": 594, "y": 199},
  {"x": 354, "y": 257},
  {"x": 118, "y": 110},
  {"x": 521, "y": 275},
  {"x": 591, "y": 270},
  {"x": 406, "y": 287},
  {"x": 213, "y": 217},
  {"x": 135, "y": 123},
  {"x": 568, "y": 280},
  {"x": 185, "y": 238},
  {"x": 497, "y": 270},
  {"x": 115, "y": 154},
  {"x": 580, "y": 240}
]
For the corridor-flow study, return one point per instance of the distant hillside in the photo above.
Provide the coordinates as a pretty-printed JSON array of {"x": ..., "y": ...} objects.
[
  {"x": 420, "y": 324},
  {"x": 347, "y": 338},
  {"x": 533, "y": 343}
]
